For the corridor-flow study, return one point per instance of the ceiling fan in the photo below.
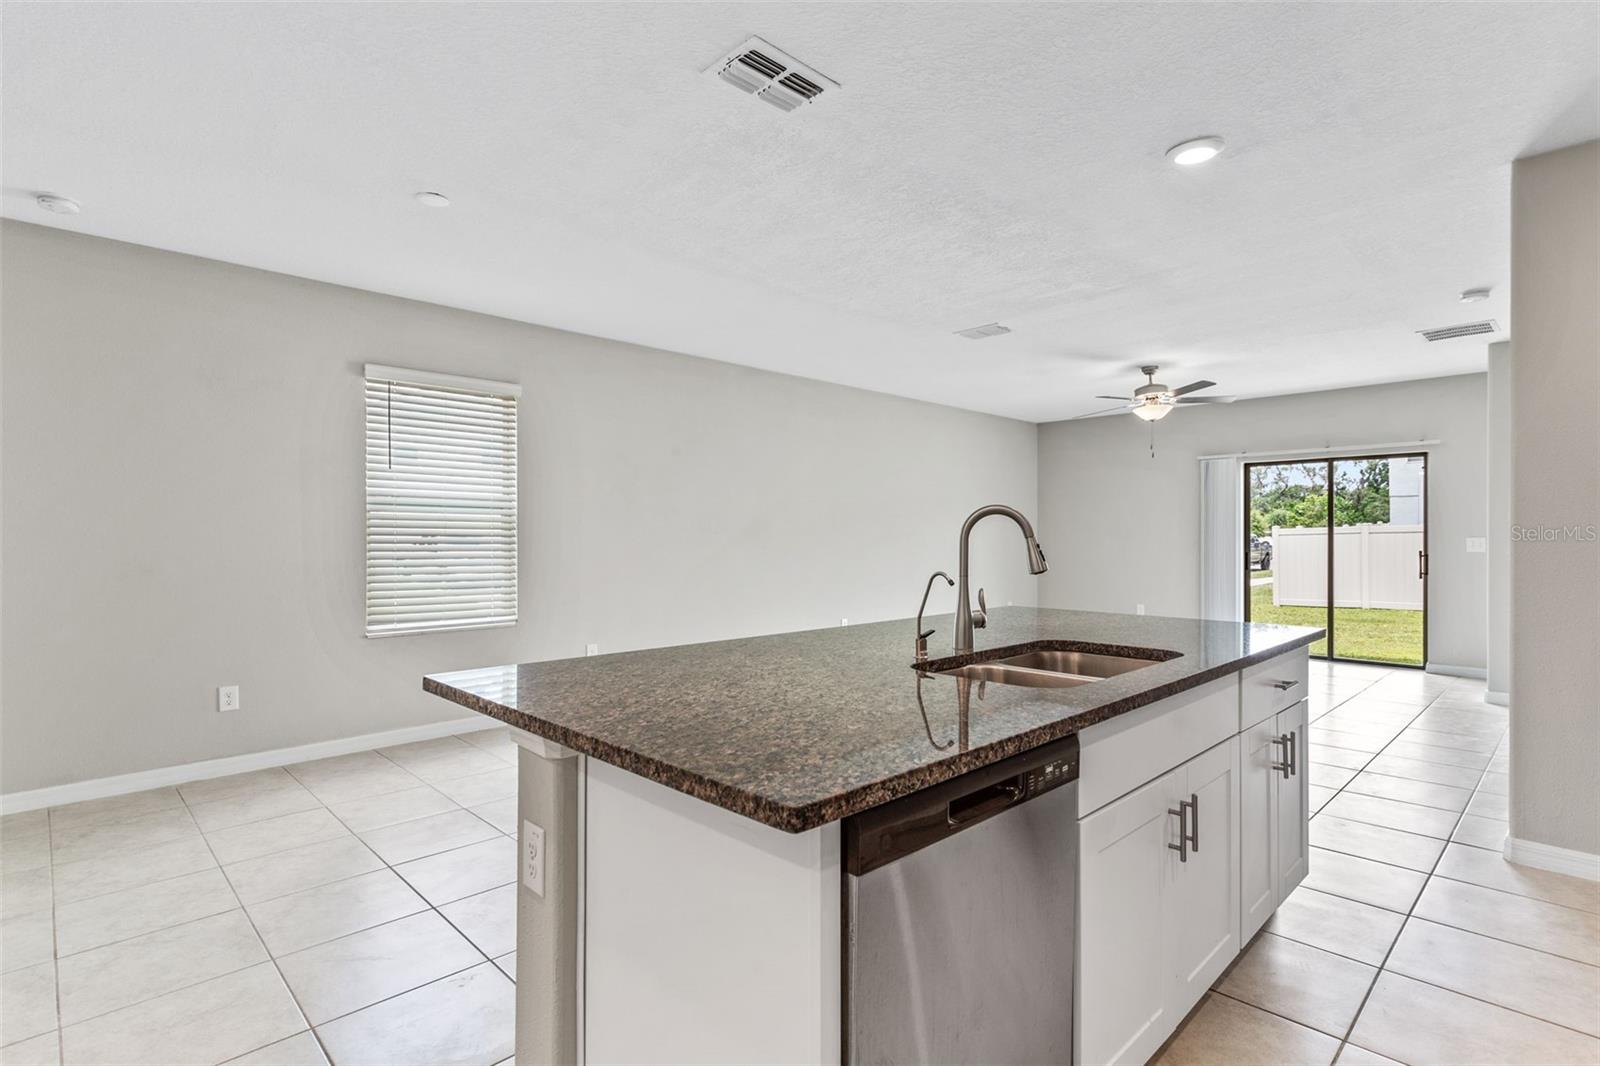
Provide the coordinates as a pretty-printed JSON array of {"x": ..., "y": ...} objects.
[{"x": 1153, "y": 400}]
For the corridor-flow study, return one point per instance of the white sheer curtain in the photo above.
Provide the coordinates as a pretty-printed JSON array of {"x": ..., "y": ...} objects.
[{"x": 1221, "y": 539}]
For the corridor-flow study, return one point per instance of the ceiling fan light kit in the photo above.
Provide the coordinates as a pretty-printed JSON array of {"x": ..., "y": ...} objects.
[{"x": 1152, "y": 401}]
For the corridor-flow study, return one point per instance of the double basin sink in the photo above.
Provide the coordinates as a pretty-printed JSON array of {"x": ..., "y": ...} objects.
[{"x": 1050, "y": 668}]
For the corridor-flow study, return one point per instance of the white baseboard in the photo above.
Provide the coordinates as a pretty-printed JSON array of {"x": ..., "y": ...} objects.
[
  {"x": 122, "y": 784},
  {"x": 1457, "y": 671},
  {"x": 1549, "y": 857},
  {"x": 1499, "y": 699}
]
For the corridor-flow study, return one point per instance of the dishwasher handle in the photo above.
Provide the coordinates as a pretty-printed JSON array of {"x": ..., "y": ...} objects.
[
  {"x": 880, "y": 835},
  {"x": 977, "y": 805}
]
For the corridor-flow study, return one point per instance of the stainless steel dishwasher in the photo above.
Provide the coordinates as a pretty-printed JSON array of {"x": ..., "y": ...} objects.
[{"x": 960, "y": 912}]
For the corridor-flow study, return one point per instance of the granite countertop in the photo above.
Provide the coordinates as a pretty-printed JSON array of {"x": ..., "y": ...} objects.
[{"x": 800, "y": 729}]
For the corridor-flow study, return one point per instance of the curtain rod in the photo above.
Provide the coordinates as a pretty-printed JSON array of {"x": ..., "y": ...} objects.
[{"x": 1393, "y": 446}]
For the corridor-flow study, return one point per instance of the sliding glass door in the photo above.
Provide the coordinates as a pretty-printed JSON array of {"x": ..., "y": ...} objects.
[{"x": 1341, "y": 543}]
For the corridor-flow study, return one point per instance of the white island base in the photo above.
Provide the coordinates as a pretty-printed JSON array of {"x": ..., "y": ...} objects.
[{"x": 669, "y": 930}]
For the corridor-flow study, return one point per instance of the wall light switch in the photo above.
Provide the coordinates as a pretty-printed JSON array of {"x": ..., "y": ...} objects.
[
  {"x": 533, "y": 858},
  {"x": 228, "y": 698},
  {"x": 1477, "y": 544},
  {"x": 591, "y": 649}
]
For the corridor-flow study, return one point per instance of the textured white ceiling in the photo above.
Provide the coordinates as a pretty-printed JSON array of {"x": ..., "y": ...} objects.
[{"x": 982, "y": 162}]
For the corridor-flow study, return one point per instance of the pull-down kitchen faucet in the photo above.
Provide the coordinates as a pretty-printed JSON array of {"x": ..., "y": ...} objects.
[{"x": 966, "y": 618}]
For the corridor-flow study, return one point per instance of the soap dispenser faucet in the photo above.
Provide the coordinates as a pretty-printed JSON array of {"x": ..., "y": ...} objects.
[
  {"x": 924, "y": 634},
  {"x": 966, "y": 618}
]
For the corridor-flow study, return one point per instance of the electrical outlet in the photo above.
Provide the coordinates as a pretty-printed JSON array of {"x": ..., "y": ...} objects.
[
  {"x": 1138, "y": 608},
  {"x": 228, "y": 698},
  {"x": 533, "y": 858},
  {"x": 1477, "y": 544},
  {"x": 591, "y": 649},
  {"x": 844, "y": 621}
]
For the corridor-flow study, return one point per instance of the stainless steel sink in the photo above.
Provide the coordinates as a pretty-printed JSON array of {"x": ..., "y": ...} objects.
[{"x": 1050, "y": 669}]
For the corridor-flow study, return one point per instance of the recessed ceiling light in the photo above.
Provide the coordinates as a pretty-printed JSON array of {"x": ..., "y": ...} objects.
[
  {"x": 1473, "y": 296},
  {"x": 1192, "y": 153},
  {"x": 433, "y": 199},
  {"x": 61, "y": 205}
]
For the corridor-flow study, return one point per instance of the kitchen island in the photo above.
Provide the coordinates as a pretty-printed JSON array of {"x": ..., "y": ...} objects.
[{"x": 681, "y": 812}]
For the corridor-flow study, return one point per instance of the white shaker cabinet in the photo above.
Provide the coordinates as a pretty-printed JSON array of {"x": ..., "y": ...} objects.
[
  {"x": 1203, "y": 906},
  {"x": 1158, "y": 896},
  {"x": 1125, "y": 873},
  {"x": 1293, "y": 803},
  {"x": 1194, "y": 833},
  {"x": 1274, "y": 805}
]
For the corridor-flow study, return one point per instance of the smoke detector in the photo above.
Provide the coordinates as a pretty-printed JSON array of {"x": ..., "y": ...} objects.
[
  {"x": 977, "y": 333},
  {"x": 770, "y": 74},
  {"x": 1465, "y": 329}
]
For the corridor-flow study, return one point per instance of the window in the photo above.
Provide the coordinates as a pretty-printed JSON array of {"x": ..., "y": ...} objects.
[{"x": 441, "y": 502}]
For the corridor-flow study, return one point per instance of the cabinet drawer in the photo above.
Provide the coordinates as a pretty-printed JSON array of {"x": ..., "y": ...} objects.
[
  {"x": 1272, "y": 686},
  {"x": 1120, "y": 755}
]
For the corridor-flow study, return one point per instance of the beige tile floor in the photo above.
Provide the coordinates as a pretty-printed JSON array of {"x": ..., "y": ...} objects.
[
  {"x": 361, "y": 909},
  {"x": 1412, "y": 940},
  {"x": 354, "y": 910}
]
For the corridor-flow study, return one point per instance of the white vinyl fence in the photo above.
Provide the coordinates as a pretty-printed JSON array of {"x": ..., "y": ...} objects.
[{"x": 1373, "y": 566}]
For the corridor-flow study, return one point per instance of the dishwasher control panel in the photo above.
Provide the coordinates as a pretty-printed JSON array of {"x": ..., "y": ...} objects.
[{"x": 1052, "y": 774}]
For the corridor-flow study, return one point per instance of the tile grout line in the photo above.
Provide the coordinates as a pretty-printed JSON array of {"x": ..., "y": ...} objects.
[
  {"x": 262, "y": 941},
  {"x": 183, "y": 803},
  {"x": 1383, "y": 966},
  {"x": 55, "y": 944},
  {"x": 1344, "y": 1041},
  {"x": 483, "y": 955}
]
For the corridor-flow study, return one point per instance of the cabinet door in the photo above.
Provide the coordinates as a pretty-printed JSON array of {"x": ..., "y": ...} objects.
[
  {"x": 1203, "y": 908},
  {"x": 1294, "y": 805},
  {"x": 1123, "y": 986},
  {"x": 1258, "y": 827}
]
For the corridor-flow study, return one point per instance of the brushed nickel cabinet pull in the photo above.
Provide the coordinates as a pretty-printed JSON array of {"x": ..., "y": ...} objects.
[
  {"x": 1286, "y": 767},
  {"x": 1182, "y": 846},
  {"x": 1294, "y": 753},
  {"x": 1194, "y": 824},
  {"x": 1285, "y": 686}
]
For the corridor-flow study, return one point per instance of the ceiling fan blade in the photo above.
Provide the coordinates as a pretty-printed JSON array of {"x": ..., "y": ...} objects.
[
  {"x": 1124, "y": 399},
  {"x": 1104, "y": 411},
  {"x": 1194, "y": 386},
  {"x": 1207, "y": 399}
]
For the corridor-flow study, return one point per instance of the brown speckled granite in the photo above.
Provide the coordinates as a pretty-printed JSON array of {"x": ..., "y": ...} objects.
[{"x": 800, "y": 729}]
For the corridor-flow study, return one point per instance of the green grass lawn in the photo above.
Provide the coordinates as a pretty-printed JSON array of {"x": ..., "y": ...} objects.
[{"x": 1382, "y": 636}]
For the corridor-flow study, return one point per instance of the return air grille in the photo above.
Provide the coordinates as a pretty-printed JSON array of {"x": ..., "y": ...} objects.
[
  {"x": 977, "y": 333},
  {"x": 1466, "y": 329},
  {"x": 771, "y": 75}
]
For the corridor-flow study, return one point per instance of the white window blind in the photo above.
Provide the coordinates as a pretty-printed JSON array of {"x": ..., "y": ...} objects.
[{"x": 441, "y": 502}]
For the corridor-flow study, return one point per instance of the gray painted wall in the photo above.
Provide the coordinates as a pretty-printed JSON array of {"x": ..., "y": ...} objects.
[
  {"x": 1500, "y": 436},
  {"x": 1555, "y": 598},
  {"x": 1123, "y": 528},
  {"x": 182, "y": 461}
]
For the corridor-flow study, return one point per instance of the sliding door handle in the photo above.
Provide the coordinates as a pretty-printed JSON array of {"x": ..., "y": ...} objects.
[{"x": 1422, "y": 564}]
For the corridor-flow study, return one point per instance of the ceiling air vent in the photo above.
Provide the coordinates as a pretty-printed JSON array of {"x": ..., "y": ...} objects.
[
  {"x": 1466, "y": 329},
  {"x": 977, "y": 333},
  {"x": 771, "y": 74}
]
